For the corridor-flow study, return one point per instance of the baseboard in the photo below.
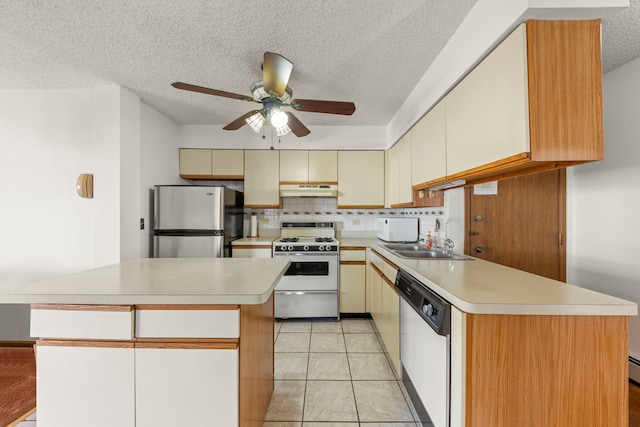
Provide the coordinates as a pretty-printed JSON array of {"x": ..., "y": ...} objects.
[
  {"x": 634, "y": 369},
  {"x": 17, "y": 343}
]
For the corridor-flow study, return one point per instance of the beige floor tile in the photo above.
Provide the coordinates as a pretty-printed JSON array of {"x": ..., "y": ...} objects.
[
  {"x": 329, "y": 343},
  {"x": 276, "y": 326},
  {"x": 321, "y": 424},
  {"x": 329, "y": 401},
  {"x": 330, "y": 326},
  {"x": 362, "y": 343},
  {"x": 381, "y": 401},
  {"x": 295, "y": 326},
  {"x": 292, "y": 342},
  {"x": 328, "y": 366},
  {"x": 281, "y": 424},
  {"x": 388, "y": 424},
  {"x": 370, "y": 366},
  {"x": 357, "y": 326},
  {"x": 287, "y": 401},
  {"x": 291, "y": 366}
]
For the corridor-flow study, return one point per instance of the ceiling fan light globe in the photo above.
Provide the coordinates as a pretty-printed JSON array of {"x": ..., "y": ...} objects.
[
  {"x": 279, "y": 119},
  {"x": 256, "y": 121},
  {"x": 283, "y": 130}
]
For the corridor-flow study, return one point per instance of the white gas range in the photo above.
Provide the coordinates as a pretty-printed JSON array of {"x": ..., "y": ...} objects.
[{"x": 310, "y": 286}]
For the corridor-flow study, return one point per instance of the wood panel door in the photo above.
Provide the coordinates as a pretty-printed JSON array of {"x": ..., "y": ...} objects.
[{"x": 523, "y": 226}]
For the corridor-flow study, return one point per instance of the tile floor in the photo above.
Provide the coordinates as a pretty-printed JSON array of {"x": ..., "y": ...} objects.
[{"x": 334, "y": 373}]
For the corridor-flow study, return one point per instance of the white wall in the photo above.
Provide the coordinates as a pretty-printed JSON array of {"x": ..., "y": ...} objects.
[
  {"x": 158, "y": 165},
  {"x": 320, "y": 138},
  {"x": 48, "y": 139},
  {"x": 603, "y": 203}
]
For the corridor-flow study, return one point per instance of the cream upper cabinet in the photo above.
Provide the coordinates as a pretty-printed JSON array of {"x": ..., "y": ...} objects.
[
  {"x": 323, "y": 167},
  {"x": 360, "y": 179},
  {"x": 201, "y": 163},
  {"x": 313, "y": 167},
  {"x": 487, "y": 115},
  {"x": 294, "y": 166},
  {"x": 227, "y": 164},
  {"x": 399, "y": 176},
  {"x": 195, "y": 162},
  {"x": 262, "y": 178},
  {"x": 428, "y": 147}
]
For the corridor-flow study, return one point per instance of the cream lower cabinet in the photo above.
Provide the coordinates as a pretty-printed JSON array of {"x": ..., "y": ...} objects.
[
  {"x": 78, "y": 384},
  {"x": 249, "y": 251},
  {"x": 262, "y": 178},
  {"x": 185, "y": 386},
  {"x": 384, "y": 305},
  {"x": 360, "y": 179},
  {"x": 352, "y": 280}
]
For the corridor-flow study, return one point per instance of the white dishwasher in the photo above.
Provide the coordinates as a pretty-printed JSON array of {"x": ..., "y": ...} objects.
[{"x": 425, "y": 349}]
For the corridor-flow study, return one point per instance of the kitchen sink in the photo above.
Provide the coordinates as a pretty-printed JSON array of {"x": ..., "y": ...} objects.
[{"x": 415, "y": 251}]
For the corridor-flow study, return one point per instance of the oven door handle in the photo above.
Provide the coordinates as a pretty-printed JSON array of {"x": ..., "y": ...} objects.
[
  {"x": 334, "y": 254},
  {"x": 305, "y": 292}
]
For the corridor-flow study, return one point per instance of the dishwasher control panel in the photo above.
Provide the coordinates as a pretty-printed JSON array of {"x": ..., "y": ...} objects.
[{"x": 434, "y": 309}]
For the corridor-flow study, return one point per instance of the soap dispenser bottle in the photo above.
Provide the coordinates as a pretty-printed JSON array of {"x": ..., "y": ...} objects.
[{"x": 429, "y": 240}]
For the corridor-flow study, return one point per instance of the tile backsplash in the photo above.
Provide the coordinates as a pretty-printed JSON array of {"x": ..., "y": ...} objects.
[{"x": 346, "y": 220}]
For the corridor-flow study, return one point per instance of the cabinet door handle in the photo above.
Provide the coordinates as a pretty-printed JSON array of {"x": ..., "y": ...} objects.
[
  {"x": 478, "y": 218},
  {"x": 479, "y": 249},
  {"x": 473, "y": 233}
]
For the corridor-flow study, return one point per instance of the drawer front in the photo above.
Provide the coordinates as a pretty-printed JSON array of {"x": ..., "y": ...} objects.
[
  {"x": 389, "y": 271},
  {"x": 187, "y": 323},
  {"x": 352, "y": 255},
  {"x": 82, "y": 322}
]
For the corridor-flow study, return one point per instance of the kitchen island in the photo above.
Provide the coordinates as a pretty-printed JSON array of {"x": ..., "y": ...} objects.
[
  {"x": 155, "y": 342},
  {"x": 525, "y": 350}
]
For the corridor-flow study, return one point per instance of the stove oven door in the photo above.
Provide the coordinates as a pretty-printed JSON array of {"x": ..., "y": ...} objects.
[
  {"x": 309, "y": 287},
  {"x": 307, "y": 272}
]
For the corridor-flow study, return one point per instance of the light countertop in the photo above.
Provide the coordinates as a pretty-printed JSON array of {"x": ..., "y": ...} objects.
[
  {"x": 482, "y": 287},
  {"x": 160, "y": 281},
  {"x": 255, "y": 241}
]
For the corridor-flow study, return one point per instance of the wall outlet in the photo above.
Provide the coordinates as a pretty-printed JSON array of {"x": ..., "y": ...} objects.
[
  {"x": 355, "y": 222},
  {"x": 264, "y": 220}
]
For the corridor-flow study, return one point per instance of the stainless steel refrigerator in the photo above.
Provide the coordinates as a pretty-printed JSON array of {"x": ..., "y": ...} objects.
[{"x": 196, "y": 221}]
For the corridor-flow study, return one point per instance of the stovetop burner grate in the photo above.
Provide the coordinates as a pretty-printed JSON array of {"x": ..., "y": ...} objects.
[
  {"x": 324, "y": 239},
  {"x": 289, "y": 239}
]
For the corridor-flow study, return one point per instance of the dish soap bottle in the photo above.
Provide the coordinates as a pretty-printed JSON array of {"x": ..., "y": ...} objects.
[{"x": 429, "y": 240}]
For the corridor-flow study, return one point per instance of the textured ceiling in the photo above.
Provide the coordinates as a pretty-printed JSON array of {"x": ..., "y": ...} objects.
[{"x": 371, "y": 52}]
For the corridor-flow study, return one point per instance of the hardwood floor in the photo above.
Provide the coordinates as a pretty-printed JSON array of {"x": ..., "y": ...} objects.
[{"x": 17, "y": 382}]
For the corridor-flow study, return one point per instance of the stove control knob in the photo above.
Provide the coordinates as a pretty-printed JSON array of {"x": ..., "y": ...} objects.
[
  {"x": 428, "y": 309},
  {"x": 283, "y": 247},
  {"x": 328, "y": 248},
  {"x": 321, "y": 248},
  {"x": 305, "y": 247},
  {"x": 290, "y": 247}
]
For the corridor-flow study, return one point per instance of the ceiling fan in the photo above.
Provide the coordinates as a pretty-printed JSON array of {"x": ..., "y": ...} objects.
[{"x": 274, "y": 94}]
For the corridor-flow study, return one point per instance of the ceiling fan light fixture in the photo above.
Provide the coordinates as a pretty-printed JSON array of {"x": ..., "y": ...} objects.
[
  {"x": 256, "y": 121},
  {"x": 258, "y": 92},
  {"x": 278, "y": 118},
  {"x": 282, "y": 130}
]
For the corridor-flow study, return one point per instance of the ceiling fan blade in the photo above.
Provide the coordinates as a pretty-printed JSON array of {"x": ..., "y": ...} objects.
[
  {"x": 330, "y": 107},
  {"x": 296, "y": 125},
  {"x": 240, "y": 121},
  {"x": 208, "y": 91},
  {"x": 276, "y": 70}
]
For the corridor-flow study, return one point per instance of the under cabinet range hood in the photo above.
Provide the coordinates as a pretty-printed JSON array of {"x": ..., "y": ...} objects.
[{"x": 308, "y": 190}]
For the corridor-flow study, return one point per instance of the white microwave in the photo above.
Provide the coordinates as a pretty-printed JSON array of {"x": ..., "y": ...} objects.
[{"x": 398, "y": 229}]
